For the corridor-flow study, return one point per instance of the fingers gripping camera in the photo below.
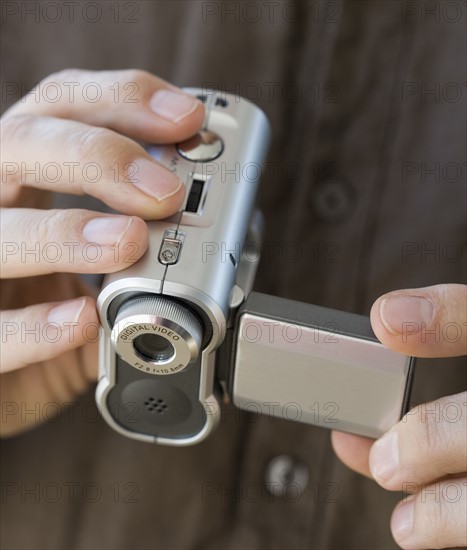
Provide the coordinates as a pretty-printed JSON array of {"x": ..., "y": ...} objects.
[{"x": 182, "y": 327}]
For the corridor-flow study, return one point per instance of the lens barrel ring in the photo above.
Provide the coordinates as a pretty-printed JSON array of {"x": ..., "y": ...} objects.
[{"x": 146, "y": 316}]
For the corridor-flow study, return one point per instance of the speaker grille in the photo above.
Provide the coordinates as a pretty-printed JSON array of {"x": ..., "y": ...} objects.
[{"x": 156, "y": 405}]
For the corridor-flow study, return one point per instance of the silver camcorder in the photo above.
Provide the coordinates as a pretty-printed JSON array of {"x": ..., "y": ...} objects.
[{"x": 183, "y": 332}]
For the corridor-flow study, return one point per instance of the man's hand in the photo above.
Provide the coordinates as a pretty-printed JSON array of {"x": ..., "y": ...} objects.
[
  {"x": 425, "y": 454},
  {"x": 75, "y": 134}
]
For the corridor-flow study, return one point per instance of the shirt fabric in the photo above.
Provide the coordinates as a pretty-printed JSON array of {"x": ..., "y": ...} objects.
[{"x": 368, "y": 131}]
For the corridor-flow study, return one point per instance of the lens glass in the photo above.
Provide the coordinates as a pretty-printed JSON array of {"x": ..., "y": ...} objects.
[{"x": 153, "y": 348}]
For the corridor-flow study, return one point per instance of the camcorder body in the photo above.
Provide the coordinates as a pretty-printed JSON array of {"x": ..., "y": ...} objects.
[{"x": 183, "y": 331}]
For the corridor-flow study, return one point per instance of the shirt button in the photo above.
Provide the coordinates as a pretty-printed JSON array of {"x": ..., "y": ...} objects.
[
  {"x": 332, "y": 201},
  {"x": 286, "y": 477}
]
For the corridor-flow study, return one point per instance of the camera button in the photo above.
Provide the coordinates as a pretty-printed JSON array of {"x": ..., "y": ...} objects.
[{"x": 204, "y": 146}]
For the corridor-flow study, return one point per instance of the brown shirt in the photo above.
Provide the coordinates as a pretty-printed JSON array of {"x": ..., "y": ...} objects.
[{"x": 365, "y": 178}]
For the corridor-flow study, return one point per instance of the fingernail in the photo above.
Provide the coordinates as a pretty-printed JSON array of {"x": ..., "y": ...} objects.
[
  {"x": 402, "y": 519},
  {"x": 397, "y": 311},
  {"x": 108, "y": 230},
  {"x": 173, "y": 106},
  {"x": 155, "y": 181},
  {"x": 69, "y": 312},
  {"x": 384, "y": 457}
]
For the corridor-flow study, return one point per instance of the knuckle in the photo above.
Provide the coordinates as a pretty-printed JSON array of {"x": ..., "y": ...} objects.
[
  {"x": 136, "y": 75},
  {"x": 12, "y": 125},
  {"x": 138, "y": 83},
  {"x": 90, "y": 140},
  {"x": 52, "y": 225},
  {"x": 436, "y": 436},
  {"x": 13, "y": 128},
  {"x": 102, "y": 148},
  {"x": 95, "y": 142},
  {"x": 62, "y": 76},
  {"x": 436, "y": 519},
  {"x": 448, "y": 297},
  {"x": 431, "y": 437},
  {"x": 427, "y": 524},
  {"x": 441, "y": 295}
]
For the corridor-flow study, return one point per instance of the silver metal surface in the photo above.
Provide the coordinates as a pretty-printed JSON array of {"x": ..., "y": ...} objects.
[
  {"x": 204, "y": 273},
  {"x": 318, "y": 377},
  {"x": 204, "y": 264},
  {"x": 205, "y": 146},
  {"x": 107, "y": 381}
]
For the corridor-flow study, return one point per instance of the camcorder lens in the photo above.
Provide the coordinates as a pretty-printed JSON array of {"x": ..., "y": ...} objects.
[
  {"x": 154, "y": 348},
  {"x": 168, "y": 345}
]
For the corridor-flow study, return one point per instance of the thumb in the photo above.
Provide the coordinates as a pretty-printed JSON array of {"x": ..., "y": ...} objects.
[{"x": 423, "y": 322}]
